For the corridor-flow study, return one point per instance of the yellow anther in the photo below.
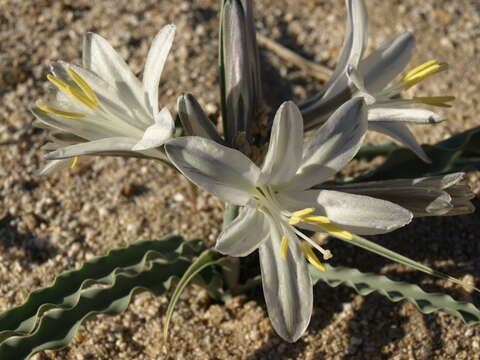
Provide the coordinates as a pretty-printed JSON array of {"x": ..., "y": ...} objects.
[
  {"x": 336, "y": 231},
  {"x": 317, "y": 220},
  {"x": 294, "y": 220},
  {"x": 82, "y": 84},
  {"x": 422, "y": 72},
  {"x": 303, "y": 213},
  {"x": 435, "y": 100},
  {"x": 299, "y": 215},
  {"x": 74, "y": 162},
  {"x": 284, "y": 247},
  {"x": 419, "y": 68},
  {"x": 59, "y": 112},
  {"x": 72, "y": 91},
  {"x": 311, "y": 257}
]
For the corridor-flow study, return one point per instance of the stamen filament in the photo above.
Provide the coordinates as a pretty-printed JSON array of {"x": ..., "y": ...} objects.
[
  {"x": 82, "y": 84},
  {"x": 284, "y": 247},
  {"x": 311, "y": 257},
  {"x": 59, "y": 112},
  {"x": 327, "y": 254},
  {"x": 72, "y": 91}
]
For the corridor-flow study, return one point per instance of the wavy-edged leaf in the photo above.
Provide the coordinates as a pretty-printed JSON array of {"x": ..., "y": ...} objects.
[
  {"x": 461, "y": 152},
  {"x": 366, "y": 283},
  {"x": 66, "y": 289},
  {"x": 58, "y": 326}
]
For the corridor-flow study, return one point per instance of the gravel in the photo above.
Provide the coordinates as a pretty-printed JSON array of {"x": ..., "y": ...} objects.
[{"x": 52, "y": 224}]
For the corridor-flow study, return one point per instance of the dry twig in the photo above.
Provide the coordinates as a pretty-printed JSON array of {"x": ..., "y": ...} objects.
[{"x": 315, "y": 70}]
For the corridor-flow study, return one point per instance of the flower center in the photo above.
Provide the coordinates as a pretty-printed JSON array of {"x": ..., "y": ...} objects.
[{"x": 267, "y": 202}]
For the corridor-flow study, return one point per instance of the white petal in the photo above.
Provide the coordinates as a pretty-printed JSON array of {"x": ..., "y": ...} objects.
[
  {"x": 359, "y": 16},
  {"x": 336, "y": 91},
  {"x": 385, "y": 63},
  {"x": 333, "y": 145},
  {"x": 362, "y": 215},
  {"x": 102, "y": 59},
  {"x": 158, "y": 133},
  {"x": 286, "y": 143},
  {"x": 245, "y": 234},
  {"x": 220, "y": 170},
  {"x": 401, "y": 133},
  {"x": 287, "y": 286},
  {"x": 156, "y": 58},
  {"x": 402, "y": 114},
  {"x": 107, "y": 145},
  {"x": 78, "y": 127}
]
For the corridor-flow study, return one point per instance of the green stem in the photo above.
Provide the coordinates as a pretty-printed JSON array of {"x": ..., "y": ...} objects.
[{"x": 231, "y": 266}]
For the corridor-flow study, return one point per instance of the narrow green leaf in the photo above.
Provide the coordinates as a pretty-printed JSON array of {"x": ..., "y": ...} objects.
[
  {"x": 366, "y": 283},
  {"x": 58, "y": 327},
  {"x": 206, "y": 259},
  {"x": 368, "y": 152},
  {"x": 392, "y": 255}
]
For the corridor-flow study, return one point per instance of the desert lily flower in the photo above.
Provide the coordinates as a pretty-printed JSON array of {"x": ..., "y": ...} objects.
[
  {"x": 443, "y": 195},
  {"x": 373, "y": 78},
  {"x": 102, "y": 108},
  {"x": 277, "y": 202}
]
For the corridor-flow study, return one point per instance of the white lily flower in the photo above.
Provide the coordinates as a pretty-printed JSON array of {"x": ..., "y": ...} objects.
[
  {"x": 277, "y": 202},
  {"x": 372, "y": 78},
  {"x": 102, "y": 108}
]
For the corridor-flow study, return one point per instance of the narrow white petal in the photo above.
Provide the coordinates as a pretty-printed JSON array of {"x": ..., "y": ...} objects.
[
  {"x": 333, "y": 145},
  {"x": 108, "y": 145},
  {"x": 245, "y": 234},
  {"x": 158, "y": 133},
  {"x": 286, "y": 143},
  {"x": 362, "y": 215},
  {"x": 220, "y": 170},
  {"x": 102, "y": 59},
  {"x": 156, "y": 58},
  {"x": 78, "y": 127},
  {"x": 403, "y": 114},
  {"x": 401, "y": 133},
  {"x": 385, "y": 63},
  {"x": 359, "y": 16},
  {"x": 287, "y": 286}
]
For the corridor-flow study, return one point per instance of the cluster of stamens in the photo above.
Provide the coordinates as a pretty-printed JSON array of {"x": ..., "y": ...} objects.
[
  {"x": 83, "y": 93},
  {"x": 324, "y": 224},
  {"x": 419, "y": 74}
]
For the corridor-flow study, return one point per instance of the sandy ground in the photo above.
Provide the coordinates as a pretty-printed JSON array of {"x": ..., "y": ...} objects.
[{"x": 49, "y": 225}]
